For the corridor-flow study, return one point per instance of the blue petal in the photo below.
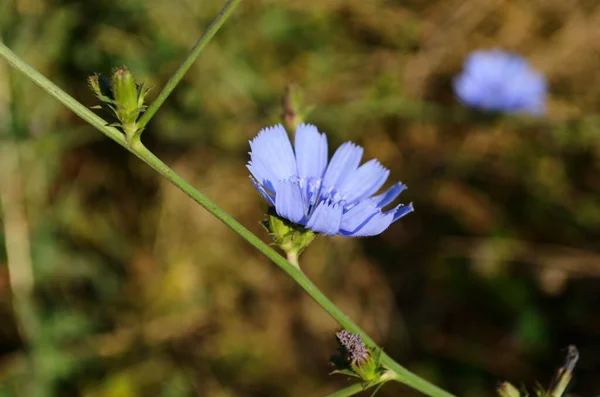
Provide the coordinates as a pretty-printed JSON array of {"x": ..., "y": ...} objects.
[
  {"x": 526, "y": 91},
  {"x": 467, "y": 89},
  {"x": 365, "y": 219},
  {"x": 501, "y": 81},
  {"x": 288, "y": 201},
  {"x": 390, "y": 195},
  {"x": 262, "y": 191},
  {"x": 326, "y": 218},
  {"x": 402, "y": 210},
  {"x": 262, "y": 174},
  {"x": 374, "y": 226},
  {"x": 311, "y": 152},
  {"x": 494, "y": 64},
  {"x": 271, "y": 156},
  {"x": 367, "y": 179},
  {"x": 311, "y": 158},
  {"x": 358, "y": 215},
  {"x": 342, "y": 165}
]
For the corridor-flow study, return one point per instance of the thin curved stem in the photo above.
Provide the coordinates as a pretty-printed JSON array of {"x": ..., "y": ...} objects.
[
  {"x": 139, "y": 150},
  {"x": 347, "y": 391},
  {"x": 216, "y": 24},
  {"x": 66, "y": 99}
]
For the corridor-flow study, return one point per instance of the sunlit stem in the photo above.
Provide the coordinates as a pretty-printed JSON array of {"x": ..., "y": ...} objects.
[{"x": 216, "y": 24}]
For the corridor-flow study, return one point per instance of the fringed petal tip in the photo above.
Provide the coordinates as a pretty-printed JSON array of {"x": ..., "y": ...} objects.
[
  {"x": 273, "y": 150},
  {"x": 402, "y": 210},
  {"x": 311, "y": 152},
  {"x": 274, "y": 129}
]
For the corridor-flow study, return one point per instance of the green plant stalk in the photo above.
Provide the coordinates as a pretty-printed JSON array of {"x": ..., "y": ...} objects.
[
  {"x": 292, "y": 257},
  {"x": 216, "y": 24},
  {"x": 139, "y": 150},
  {"x": 347, "y": 391}
]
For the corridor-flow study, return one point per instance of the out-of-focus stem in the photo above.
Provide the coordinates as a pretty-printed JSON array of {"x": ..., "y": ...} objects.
[
  {"x": 16, "y": 234},
  {"x": 16, "y": 231},
  {"x": 347, "y": 391}
]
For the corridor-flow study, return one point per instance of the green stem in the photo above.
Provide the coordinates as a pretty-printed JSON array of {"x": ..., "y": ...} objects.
[
  {"x": 62, "y": 96},
  {"x": 138, "y": 149},
  {"x": 216, "y": 24},
  {"x": 292, "y": 257},
  {"x": 348, "y": 391}
]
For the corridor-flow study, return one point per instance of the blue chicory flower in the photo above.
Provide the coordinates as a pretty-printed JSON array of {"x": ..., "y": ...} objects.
[
  {"x": 496, "y": 80},
  {"x": 334, "y": 198}
]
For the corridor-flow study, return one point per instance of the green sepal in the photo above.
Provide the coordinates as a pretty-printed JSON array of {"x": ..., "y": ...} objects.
[
  {"x": 290, "y": 237},
  {"x": 370, "y": 370},
  {"x": 347, "y": 372}
]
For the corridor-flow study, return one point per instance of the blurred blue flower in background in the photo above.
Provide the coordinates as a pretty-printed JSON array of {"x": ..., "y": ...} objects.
[
  {"x": 328, "y": 199},
  {"x": 496, "y": 80}
]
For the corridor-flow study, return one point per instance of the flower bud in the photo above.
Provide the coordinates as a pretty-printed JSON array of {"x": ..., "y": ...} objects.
[
  {"x": 126, "y": 96},
  {"x": 355, "y": 359},
  {"x": 122, "y": 97},
  {"x": 565, "y": 373},
  {"x": 294, "y": 111}
]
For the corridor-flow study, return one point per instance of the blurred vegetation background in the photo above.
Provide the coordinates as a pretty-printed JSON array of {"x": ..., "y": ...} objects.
[{"x": 137, "y": 291}]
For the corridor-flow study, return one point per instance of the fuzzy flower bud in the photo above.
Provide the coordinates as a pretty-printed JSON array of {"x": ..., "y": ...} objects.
[
  {"x": 356, "y": 350},
  {"x": 355, "y": 359},
  {"x": 122, "y": 97},
  {"x": 126, "y": 96}
]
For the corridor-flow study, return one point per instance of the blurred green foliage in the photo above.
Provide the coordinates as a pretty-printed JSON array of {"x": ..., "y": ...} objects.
[{"x": 139, "y": 292}]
